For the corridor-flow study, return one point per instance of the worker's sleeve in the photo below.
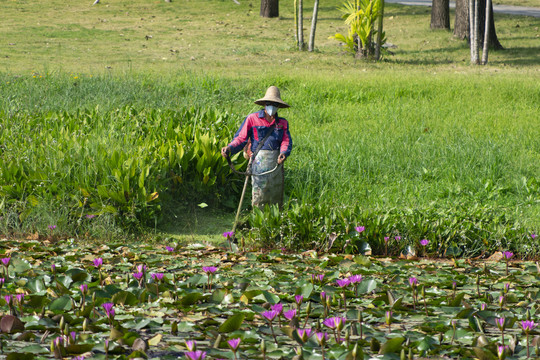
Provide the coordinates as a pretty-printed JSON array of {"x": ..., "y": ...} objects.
[
  {"x": 241, "y": 137},
  {"x": 286, "y": 143}
]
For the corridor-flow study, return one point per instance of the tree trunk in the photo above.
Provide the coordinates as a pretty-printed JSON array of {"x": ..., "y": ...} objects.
[
  {"x": 379, "y": 32},
  {"x": 300, "y": 25},
  {"x": 485, "y": 50},
  {"x": 269, "y": 8},
  {"x": 295, "y": 22},
  {"x": 440, "y": 14},
  {"x": 475, "y": 43},
  {"x": 311, "y": 43},
  {"x": 462, "y": 23},
  {"x": 471, "y": 28}
]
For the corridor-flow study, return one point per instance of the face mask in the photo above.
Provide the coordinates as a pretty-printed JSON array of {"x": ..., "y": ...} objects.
[{"x": 271, "y": 109}]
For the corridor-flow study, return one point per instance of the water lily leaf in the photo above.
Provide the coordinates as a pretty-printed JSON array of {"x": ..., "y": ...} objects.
[
  {"x": 197, "y": 279},
  {"x": 155, "y": 340},
  {"x": 250, "y": 294},
  {"x": 185, "y": 326},
  {"x": 36, "y": 285},
  {"x": 35, "y": 349},
  {"x": 457, "y": 300},
  {"x": 268, "y": 297},
  {"x": 465, "y": 313},
  {"x": 305, "y": 290},
  {"x": 190, "y": 299},
  {"x": 364, "y": 248},
  {"x": 484, "y": 354},
  {"x": 137, "y": 355},
  {"x": 10, "y": 324},
  {"x": 398, "y": 304},
  {"x": 36, "y": 302},
  {"x": 232, "y": 324},
  {"x": 291, "y": 332},
  {"x": 427, "y": 343},
  {"x": 64, "y": 281},
  {"x": 19, "y": 266},
  {"x": 63, "y": 303},
  {"x": 124, "y": 298},
  {"x": 78, "y": 275},
  {"x": 77, "y": 349},
  {"x": 218, "y": 295},
  {"x": 20, "y": 356},
  {"x": 392, "y": 346},
  {"x": 362, "y": 260},
  {"x": 475, "y": 324},
  {"x": 367, "y": 286}
]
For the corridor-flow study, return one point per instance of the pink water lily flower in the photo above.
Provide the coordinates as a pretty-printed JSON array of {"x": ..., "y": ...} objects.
[
  {"x": 269, "y": 315},
  {"x": 290, "y": 314},
  {"x": 209, "y": 269},
  {"x": 196, "y": 355},
  {"x": 138, "y": 275},
  {"x": 98, "y": 262},
  {"x": 353, "y": 279},
  {"x": 335, "y": 322},
  {"x": 304, "y": 334},
  {"x": 228, "y": 234},
  {"x": 5, "y": 261},
  {"x": 322, "y": 337},
  {"x": 20, "y": 298},
  {"x": 234, "y": 343},
  {"x": 191, "y": 345},
  {"x": 528, "y": 325},
  {"x": 508, "y": 255},
  {"x": 277, "y": 307}
]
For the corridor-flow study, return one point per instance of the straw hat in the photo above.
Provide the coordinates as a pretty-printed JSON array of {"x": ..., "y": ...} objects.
[{"x": 272, "y": 95}]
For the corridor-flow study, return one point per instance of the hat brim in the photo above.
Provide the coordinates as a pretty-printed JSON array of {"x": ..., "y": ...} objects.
[{"x": 281, "y": 104}]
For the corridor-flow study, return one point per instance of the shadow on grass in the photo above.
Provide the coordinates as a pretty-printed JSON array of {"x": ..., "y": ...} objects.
[
  {"x": 194, "y": 222},
  {"x": 521, "y": 56}
]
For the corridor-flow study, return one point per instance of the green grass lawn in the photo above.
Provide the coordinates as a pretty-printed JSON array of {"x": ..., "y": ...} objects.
[
  {"x": 420, "y": 129},
  {"x": 227, "y": 39}
]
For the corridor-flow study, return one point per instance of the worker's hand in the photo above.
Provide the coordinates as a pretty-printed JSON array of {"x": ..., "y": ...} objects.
[
  {"x": 225, "y": 151},
  {"x": 281, "y": 159}
]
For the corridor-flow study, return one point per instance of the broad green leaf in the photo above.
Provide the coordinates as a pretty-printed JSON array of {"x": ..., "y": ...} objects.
[
  {"x": 20, "y": 356},
  {"x": 305, "y": 290},
  {"x": 63, "y": 303},
  {"x": 267, "y": 297},
  {"x": 19, "y": 266},
  {"x": 233, "y": 323},
  {"x": 124, "y": 298},
  {"x": 190, "y": 299},
  {"x": 392, "y": 346},
  {"x": 367, "y": 286},
  {"x": 155, "y": 340},
  {"x": 457, "y": 300},
  {"x": 362, "y": 261}
]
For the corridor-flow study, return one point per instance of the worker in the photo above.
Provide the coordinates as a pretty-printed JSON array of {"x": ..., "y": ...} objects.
[{"x": 271, "y": 143}]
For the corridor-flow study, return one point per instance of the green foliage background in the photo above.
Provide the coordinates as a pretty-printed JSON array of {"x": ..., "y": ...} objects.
[{"x": 418, "y": 145}]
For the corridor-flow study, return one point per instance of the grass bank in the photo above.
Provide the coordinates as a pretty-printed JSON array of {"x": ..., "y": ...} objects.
[{"x": 418, "y": 131}]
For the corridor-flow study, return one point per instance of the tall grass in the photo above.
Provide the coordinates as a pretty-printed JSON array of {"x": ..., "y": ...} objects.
[
  {"x": 382, "y": 144},
  {"x": 419, "y": 136}
]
